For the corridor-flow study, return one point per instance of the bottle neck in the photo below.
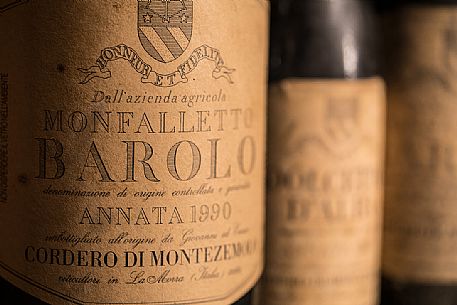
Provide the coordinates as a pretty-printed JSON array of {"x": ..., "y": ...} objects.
[{"x": 323, "y": 39}]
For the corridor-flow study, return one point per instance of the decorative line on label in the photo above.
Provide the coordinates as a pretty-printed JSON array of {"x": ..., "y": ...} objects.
[
  {"x": 7, "y": 5},
  {"x": 149, "y": 76}
]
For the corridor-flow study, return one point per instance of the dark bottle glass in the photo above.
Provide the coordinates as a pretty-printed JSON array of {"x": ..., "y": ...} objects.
[
  {"x": 325, "y": 183},
  {"x": 309, "y": 39},
  {"x": 14, "y": 296},
  {"x": 419, "y": 256}
]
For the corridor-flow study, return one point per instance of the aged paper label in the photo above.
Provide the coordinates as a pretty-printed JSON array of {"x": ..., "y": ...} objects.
[
  {"x": 421, "y": 213},
  {"x": 325, "y": 174},
  {"x": 132, "y": 149}
]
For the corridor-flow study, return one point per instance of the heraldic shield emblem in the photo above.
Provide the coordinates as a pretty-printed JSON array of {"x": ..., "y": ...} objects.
[{"x": 165, "y": 27}]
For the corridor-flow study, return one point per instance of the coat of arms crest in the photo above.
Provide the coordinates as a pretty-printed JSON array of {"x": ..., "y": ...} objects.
[
  {"x": 164, "y": 30},
  {"x": 165, "y": 27}
]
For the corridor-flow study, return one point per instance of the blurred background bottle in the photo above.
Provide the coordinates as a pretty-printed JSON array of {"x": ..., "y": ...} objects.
[
  {"x": 326, "y": 153},
  {"x": 420, "y": 243}
]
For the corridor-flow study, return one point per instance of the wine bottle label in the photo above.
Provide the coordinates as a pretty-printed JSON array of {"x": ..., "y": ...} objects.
[
  {"x": 421, "y": 212},
  {"x": 325, "y": 187},
  {"x": 132, "y": 149}
]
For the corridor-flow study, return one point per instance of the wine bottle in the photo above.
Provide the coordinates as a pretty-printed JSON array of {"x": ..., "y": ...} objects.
[
  {"x": 419, "y": 256},
  {"x": 132, "y": 151},
  {"x": 326, "y": 155}
]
